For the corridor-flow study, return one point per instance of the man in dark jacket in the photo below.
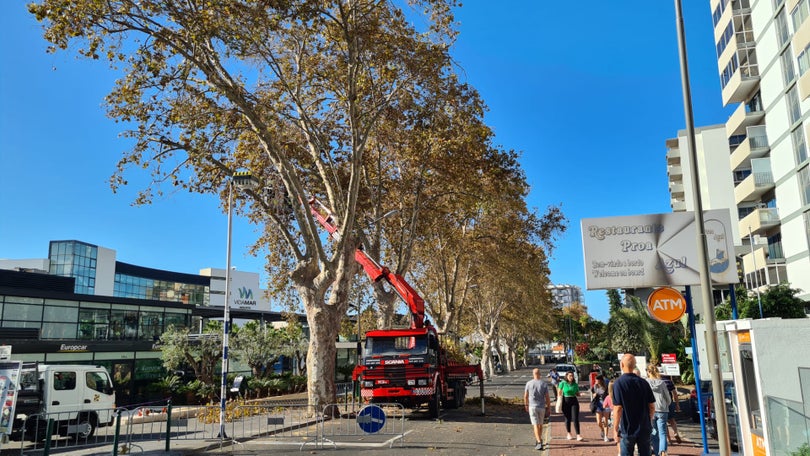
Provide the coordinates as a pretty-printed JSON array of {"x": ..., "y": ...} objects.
[{"x": 633, "y": 410}]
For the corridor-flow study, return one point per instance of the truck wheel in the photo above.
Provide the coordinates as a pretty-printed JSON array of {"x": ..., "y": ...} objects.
[
  {"x": 435, "y": 403},
  {"x": 87, "y": 424}
]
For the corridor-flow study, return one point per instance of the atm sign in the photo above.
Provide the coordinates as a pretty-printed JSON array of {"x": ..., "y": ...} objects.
[{"x": 666, "y": 305}]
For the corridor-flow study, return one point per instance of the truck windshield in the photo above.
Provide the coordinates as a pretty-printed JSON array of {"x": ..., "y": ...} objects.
[{"x": 393, "y": 346}]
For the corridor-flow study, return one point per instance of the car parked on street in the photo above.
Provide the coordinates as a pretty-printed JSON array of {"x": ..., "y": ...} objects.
[{"x": 563, "y": 369}]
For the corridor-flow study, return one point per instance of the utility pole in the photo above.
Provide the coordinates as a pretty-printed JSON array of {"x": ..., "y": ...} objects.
[{"x": 712, "y": 350}]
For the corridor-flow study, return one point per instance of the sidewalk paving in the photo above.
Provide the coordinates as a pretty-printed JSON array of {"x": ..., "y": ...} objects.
[{"x": 593, "y": 445}]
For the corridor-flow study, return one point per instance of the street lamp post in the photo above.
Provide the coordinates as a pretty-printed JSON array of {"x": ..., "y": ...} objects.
[
  {"x": 712, "y": 349},
  {"x": 240, "y": 180}
]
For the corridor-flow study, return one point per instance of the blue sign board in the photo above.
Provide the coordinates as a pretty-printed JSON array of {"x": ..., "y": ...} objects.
[{"x": 371, "y": 419}]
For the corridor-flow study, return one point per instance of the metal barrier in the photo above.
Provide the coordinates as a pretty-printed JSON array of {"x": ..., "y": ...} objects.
[
  {"x": 375, "y": 429},
  {"x": 67, "y": 430},
  {"x": 169, "y": 423},
  {"x": 270, "y": 422},
  {"x": 277, "y": 423}
]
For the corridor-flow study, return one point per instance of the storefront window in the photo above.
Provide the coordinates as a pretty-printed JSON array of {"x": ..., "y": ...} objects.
[
  {"x": 58, "y": 331},
  {"x": 124, "y": 322},
  {"x": 177, "y": 320},
  {"x": 22, "y": 312},
  {"x": 151, "y": 325},
  {"x": 60, "y": 314},
  {"x": 94, "y": 324}
]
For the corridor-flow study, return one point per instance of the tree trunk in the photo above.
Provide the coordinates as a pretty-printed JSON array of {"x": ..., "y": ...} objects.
[
  {"x": 510, "y": 358},
  {"x": 324, "y": 326},
  {"x": 386, "y": 304}
]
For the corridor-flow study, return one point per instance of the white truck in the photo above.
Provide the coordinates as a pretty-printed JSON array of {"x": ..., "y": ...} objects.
[{"x": 78, "y": 398}]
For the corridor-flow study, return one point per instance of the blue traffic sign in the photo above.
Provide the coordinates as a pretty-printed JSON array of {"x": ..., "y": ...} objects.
[{"x": 371, "y": 419}]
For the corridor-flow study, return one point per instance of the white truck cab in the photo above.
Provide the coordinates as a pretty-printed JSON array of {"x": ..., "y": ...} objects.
[{"x": 79, "y": 398}]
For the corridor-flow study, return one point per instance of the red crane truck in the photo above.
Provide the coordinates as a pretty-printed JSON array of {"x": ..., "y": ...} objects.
[{"x": 408, "y": 366}]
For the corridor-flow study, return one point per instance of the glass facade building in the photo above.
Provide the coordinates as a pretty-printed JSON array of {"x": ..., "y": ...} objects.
[
  {"x": 75, "y": 259},
  {"x": 129, "y": 285}
]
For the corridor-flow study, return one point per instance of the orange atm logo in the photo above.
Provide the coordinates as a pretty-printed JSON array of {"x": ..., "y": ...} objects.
[{"x": 666, "y": 305}]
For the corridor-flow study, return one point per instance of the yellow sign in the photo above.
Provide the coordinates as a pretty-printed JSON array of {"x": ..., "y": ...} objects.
[
  {"x": 758, "y": 444},
  {"x": 666, "y": 305},
  {"x": 744, "y": 337}
]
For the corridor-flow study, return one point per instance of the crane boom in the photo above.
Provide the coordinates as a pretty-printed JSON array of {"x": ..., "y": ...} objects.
[{"x": 374, "y": 270}]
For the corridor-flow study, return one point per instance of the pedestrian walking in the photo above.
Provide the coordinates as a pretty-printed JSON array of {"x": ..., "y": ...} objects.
[
  {"x": 608, "y": 404},
  {"x": 568, "y": 389},
  {"x": 599, "y": 392},
  {"x": 633, "y": 409},
  {"x": 662, "y": 401},
  {"x": 537, "y": 402},
  {"x": 555, "y": 378},
  {"x": 674, "y": 407}
]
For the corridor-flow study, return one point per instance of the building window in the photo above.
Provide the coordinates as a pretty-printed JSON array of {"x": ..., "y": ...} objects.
[
  {"x": 744, "y": 211},
  {"x": 794, "y": 109},
  {"x": 775, "y": 246},
  {"x": 804, "y": 61},
  {"x": 75, "y": 259},
  {"x": 718, "y": 11},
  {"x": 799, "y": 14},
  {"x": 782, "y": 32},
  {"x": 804, "y": 184},
  {"x": 807, "y": 226},
  {"x": 788, "y": 71},
  {"x": 799, "y": 144}
]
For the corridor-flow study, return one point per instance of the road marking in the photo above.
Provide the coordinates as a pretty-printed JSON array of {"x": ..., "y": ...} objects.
[{"x": 387, "y": 443}]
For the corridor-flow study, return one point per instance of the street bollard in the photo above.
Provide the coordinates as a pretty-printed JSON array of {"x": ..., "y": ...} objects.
[
  {"x": 483, "y": 408},
  {"x": 168, "y": 425}
]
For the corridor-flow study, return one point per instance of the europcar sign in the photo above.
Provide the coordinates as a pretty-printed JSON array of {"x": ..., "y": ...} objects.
[{"x": 645, "y": 251}]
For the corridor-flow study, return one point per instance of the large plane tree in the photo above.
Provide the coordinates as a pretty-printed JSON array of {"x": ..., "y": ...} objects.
[{"x": 290, "y": 90}]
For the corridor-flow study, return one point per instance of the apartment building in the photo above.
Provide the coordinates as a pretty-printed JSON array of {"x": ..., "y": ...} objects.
[
  {"x": 763, "y": 60},
  {"x": 565, "y": 295}
]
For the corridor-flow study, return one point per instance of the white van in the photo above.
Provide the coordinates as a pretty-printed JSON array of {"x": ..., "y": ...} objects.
[{"x": 78, "y": 398}]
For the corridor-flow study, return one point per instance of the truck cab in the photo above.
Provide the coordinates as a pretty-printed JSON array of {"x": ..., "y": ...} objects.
[{"x": 78, "y": 398}]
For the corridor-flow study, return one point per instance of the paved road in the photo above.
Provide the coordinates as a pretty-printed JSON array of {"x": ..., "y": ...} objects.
[{"x": 503, "y": 430}]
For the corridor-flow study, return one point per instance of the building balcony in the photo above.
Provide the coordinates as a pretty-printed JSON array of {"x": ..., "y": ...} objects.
[
  {"x": 676, "y": 190},
  {"x": 740, "y": 86},
  {"x": 677, "y": 206},
  {"x": 754, "y": 186},
  {"x": 673, "y": 154},
  {"x": 759, "y": 221},
  {"x": 746, "y": 115},
  {"x": 755, "y": 145},
  {"x": 762, "y": 271},
  {"x": 674, "y": 171}
]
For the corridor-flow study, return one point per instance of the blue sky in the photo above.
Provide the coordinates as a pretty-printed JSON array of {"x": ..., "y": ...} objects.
[{"x": 588, "y": 94}]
